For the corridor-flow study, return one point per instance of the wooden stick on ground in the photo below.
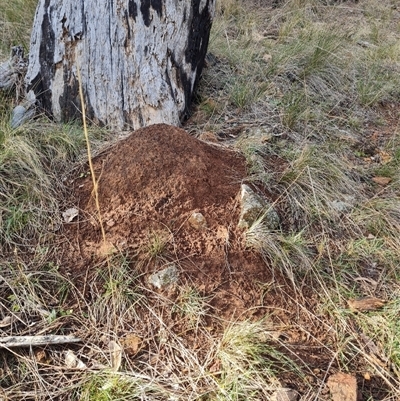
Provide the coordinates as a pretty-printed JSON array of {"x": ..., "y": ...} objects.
[{"x": 34, "y": 341}]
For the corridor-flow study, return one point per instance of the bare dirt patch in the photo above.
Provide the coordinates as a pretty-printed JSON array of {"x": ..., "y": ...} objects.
[{"x": 149, "y": 186}]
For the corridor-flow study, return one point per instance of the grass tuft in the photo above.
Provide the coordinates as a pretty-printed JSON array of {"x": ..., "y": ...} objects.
[{"x": 34, "y": 162}]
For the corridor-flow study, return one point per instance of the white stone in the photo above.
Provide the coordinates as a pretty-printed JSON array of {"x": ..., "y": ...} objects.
[
  {"x": 197, "y": 221},
  {"x": 253, "y": 207},
  {"x": 165, "y": 277}
]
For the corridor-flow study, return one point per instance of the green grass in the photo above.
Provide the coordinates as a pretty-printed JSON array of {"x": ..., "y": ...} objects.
[
  {"x": 34, "y": 161},
  {"x": 16, "y": 19},
  {"x": 116, "y": 299},
  {"x": 248, "y": 364},
  {"x": 191, "y": 306},
  {"x": 113, "y": 387}
]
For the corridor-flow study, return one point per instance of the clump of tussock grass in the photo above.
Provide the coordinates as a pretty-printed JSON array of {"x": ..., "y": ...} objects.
[
  {"x": 106, "y": 386},
  {"x": 366, "y": 338},
  {"x": 290, "y": 253},
  {"x": 16, "y": 19},
  {"x": 191, "y": 306},
  {"x": 248, "y": 364},
  {"x": 295, "y": 64},
  {"x": 313, "y": 182},
  {"x": 116, "y": 292},
  {"x": 328, "y": 70},
  {"x": 256, "y": 150},
  {"x": 34, "y": 161},
  {"x": 237, "y": 75}
]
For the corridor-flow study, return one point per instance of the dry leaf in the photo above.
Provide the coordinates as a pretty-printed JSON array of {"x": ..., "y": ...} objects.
[
  {"x": 381, "y": 180},
  {"x": 70, "y": 214},
  {"x": 343, "y": 387},
  {"x": 73, "y": 362},
  {"x": 384, "y": 157},
  {"x": 131, "y": 344},
  {"x": 41, "y": 356},
  {"x": 365, "y": 304},
  {"x": 7, "y": 321},
  {"x": 216, "y": 366},
  {"x": 116, "y": 355},
  {"x": 367, "y": 376}
]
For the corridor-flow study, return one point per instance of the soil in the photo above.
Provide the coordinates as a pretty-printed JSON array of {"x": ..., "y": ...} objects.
[{"x": 149, "y": 185}]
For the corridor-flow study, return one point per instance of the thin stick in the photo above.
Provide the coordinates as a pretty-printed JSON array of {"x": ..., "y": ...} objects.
[
  {"x": 95, "y": 186},
  {"x": 32, "y": 341},
  {"x": 89, "y": 152}
]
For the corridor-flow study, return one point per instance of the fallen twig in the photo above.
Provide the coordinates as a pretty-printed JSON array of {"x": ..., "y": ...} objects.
[{"x": 33, "y": 341}]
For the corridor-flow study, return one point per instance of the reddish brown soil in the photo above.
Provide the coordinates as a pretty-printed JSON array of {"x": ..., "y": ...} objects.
[{"x": 149, "y": 185}]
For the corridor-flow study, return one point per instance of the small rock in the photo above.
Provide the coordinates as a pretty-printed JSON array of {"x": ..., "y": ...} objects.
[
  {"x": 110, "y": 223},
  {"x": 267, "y": 58},
  {"x": 364, "y": 43},
  {"x": 164, "y": 277},
  {"x": 197, "y": 221},
  {"x": 73, "y": 362},
  {"x": 262, "y": 134},
  {"x": 340, "y": 206},
  {"x": 253, "y": 207},
  {"x": 285, "y": 394},
  {"x": 24, "y": 111},
  {"x": 346, "y": 204},
  {"x": 70, "y": 214},
  {"x": 20, "y": 115},
  {"x": 343, "y": 387}
]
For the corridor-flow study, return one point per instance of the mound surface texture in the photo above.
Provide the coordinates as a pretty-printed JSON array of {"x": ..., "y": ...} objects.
[{"x": 150, "y": 184}]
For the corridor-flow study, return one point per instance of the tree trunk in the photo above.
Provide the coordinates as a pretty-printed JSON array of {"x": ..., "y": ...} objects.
[{"x": 139, "y": 59}]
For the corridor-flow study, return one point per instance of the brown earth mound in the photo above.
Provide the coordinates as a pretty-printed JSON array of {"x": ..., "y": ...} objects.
[{"x": 150, "y": 184}]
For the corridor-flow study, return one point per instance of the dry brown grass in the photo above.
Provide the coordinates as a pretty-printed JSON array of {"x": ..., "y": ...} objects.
[{"x": 304, "y": 85}]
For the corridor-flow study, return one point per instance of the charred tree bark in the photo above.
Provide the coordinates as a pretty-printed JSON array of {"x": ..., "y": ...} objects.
[{"x": 139, "y": 59}]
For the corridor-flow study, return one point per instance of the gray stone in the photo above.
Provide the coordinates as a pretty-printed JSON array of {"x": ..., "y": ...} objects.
[
  {"x": 271, "y": 218},
  {"x": 24, "y": 112},
  {"x": 253, "y": 207},
  {"x": 165, "y": 277},
  {"x": 285, "y": 394},
  {"x": 261, "y": 133},
  {"x": 20, "y": 115},
  {"x": 343, "y": 206}
]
